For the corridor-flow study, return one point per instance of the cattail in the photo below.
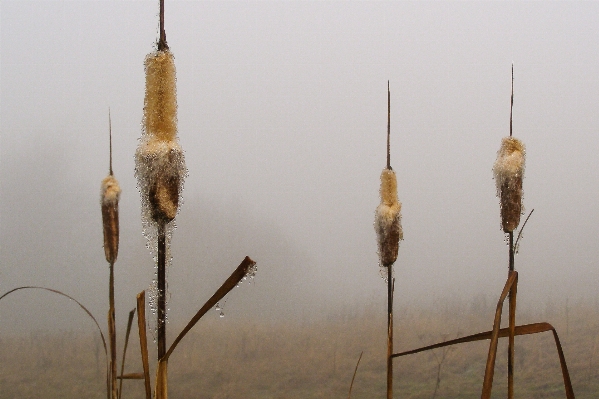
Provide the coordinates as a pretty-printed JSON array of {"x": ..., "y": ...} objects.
[
  {"x": 388, "y": 219},
  {"x": 509, "y": 172},
  {"x": 160, "y": 163},
  {"x": 110, "y": 217}
]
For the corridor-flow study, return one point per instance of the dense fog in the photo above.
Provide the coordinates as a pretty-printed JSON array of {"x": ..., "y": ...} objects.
[{"x": 282, "y": 117}]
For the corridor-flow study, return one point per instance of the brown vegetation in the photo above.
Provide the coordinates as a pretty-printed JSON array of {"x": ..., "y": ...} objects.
[{"x": 227, "y": 358}]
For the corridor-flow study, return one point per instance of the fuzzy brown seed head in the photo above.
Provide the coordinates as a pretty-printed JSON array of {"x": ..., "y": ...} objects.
[
  {"x": 387, "y": 222},
  {"x": 160, "y": 103},
  {"x": 110, "y": 217},
  {"x": 509, "y": 173}
]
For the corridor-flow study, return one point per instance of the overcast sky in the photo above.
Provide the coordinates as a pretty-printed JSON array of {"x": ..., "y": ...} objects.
[{"x": 282, "y": 116}]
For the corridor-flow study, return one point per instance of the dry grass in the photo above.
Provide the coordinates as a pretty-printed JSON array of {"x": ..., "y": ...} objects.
[{"x": 226, "y": 358}]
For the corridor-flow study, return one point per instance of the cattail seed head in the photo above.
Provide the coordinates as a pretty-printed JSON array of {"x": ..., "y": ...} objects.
[
  {"x": 110, "y": 194},
  {"x": 387, "y": 221},
  {"x": 509, "y": 172},
  {"x": 159, "y": 160}
]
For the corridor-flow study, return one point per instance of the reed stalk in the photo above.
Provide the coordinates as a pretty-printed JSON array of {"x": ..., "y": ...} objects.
[
  {"x": 110, "y": 194},
  {"x": 160, "y": 164},
  {"x": 509, "y": 173},
  {"x": 143, "y": 341},
  {"x": 389, "y": 232},
  {"x": 122, "y": 376}
]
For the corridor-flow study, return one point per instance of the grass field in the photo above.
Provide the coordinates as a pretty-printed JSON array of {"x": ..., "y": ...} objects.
[{"x": 227, "y": 358}]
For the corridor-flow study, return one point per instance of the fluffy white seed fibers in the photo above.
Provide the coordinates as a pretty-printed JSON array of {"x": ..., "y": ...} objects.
[
  {"x": 510, "y": 161},
  {"x": 110, "y": 191}
]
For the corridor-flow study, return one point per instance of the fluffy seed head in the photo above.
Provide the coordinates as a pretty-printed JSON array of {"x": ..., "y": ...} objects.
[
  {"x": 159, "y": 160},
  {"x": 387, "y": 222},
  {"x": 509, "y": 172},
  {"x": 109, "y": 200}
]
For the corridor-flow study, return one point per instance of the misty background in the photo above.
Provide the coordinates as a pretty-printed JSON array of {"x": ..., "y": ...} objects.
[{"x": 282, "y": 116}]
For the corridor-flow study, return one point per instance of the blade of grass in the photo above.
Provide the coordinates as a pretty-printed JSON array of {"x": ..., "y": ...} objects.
[
  {"x": 354, "y": 377},
  {"x": 143, "y": 340},
  {"x": 525, "y": 329},
  {"x": 131, "y": 376},
  {"x": 490, "y": 367},
  {"x": 161, "y": 390},
  {"x": 227, "y": 286},
  {"x": 129, "y": 322},
  {"x": 86, "y": 311}
]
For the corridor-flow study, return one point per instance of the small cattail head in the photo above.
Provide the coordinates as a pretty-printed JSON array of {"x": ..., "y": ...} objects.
[
  {"x": 387, "y": 221},
  {"x": 509, "y": 172},
  {"x": 110, "y": 194},
  {"x": 160, "y": 103}
]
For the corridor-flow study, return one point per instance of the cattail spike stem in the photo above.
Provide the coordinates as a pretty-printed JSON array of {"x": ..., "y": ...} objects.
[
  {"x": 110, "y": 141},
  {"x": 162, "y": 45},
  {"x": 161, "y": 305},
  {"x": 512, "y": 100},
  {"x": 388, "y": 127}
]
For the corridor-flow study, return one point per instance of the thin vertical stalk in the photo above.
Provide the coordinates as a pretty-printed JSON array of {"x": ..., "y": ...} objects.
[
  {"x": 161, "y": 305},
  {"x": 512, "y": 334},
  {"x": 110, "y": 141},
  {"x": 511, "y": 251},
  {"x": 512, "y": 100},
  {"x": 390, "y": 287},
  {"x": 388, "y": 127},
  {"x": 512, "y": 294},
  {"x": 111, "y": 316},
  {"x": 112, "y": 332},
  {"x": 129, "y": 322},
  {"x": 162, "y": 45},
  {"x": 143, "y": 340},
  {"x": 512, "y": 323}
]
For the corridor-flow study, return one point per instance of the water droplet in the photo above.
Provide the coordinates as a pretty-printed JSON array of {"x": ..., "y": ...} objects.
[{"x": 221, "y": 314}]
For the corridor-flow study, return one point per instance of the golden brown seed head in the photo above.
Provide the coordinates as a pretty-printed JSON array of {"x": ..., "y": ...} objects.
[
  {"x": 509, "y": 172},
  {"x": 387, "y": 223},
  {"x": 110, "y": 217},
  {"x": 159, "y": 160}
]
